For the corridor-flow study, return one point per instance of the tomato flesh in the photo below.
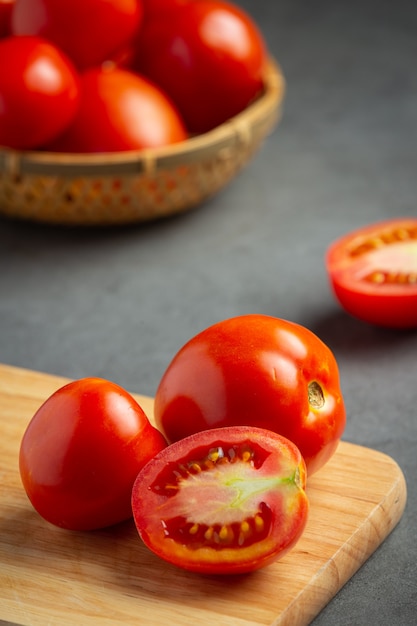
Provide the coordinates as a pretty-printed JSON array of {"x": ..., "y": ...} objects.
[
  {"x": 373, "y": 273},
  {"x": 223, "y": 501}
]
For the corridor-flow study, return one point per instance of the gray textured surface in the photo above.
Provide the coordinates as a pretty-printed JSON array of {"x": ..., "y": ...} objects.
[{"x": 119, "y": 303}]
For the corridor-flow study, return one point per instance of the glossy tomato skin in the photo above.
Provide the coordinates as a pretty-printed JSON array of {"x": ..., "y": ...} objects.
[
  {"x": 120, "y": 111},
  {"x": 89, "y": 31},
  {"x": 39, "y": 92},
  {"x": 81, "y": 452},
  {"x": 223, "y": 501},
  {"x": 373, "y": 273},
  {"x": 255, "y": 370},
  {"x": 209, "y": 58}
]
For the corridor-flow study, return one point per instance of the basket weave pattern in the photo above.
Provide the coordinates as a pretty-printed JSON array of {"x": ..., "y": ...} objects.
[{"x": 122, "y": 188}]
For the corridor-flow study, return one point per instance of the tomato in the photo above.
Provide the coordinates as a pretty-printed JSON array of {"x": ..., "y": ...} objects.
[
  {"x": 161, "y": 9},
  {"x": 89, "y": 31},
  {"x": 120, "y": 111},
  {"x": 373, "y": 272},
  {"x": 209, "y": 58},
  {"x": 224, "y": 501},
  {"x": 259, "y": 371},
  {"x": 6, "y": 7},
  {"x": 39, "y": 92},
  {"x": 81, "y": 452}
]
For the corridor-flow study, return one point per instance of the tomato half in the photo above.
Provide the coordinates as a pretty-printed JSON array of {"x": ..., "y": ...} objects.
[
  {"x": 260, "y": 371},
  {"x": 120, "y": 111},
  {"x": 209, "y": 58},
  {"x": 89, "y": 31},
  {"x": 39, "y": 92},
  {"x": 224, "y": 501},
  {"x": 81, "y": 453},
  {"x": 373, "y": 272}
]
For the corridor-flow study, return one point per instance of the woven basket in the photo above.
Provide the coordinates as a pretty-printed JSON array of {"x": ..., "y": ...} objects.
[{"x": 128, "y": 187}]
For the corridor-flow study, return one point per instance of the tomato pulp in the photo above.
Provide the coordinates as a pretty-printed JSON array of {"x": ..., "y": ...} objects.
[
  {"x": 81, "y": 453},
  {"x": 373, "y": 273},
  {"x": 255, "y": 370},
  {"x": 224, "y": 501}
]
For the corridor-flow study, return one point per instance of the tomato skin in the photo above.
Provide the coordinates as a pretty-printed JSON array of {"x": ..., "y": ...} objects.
[
  {"x": 209, "y": 58},
  {"x": 39, "y": 92},
  {"x": 81, "y": 452},
  {"x": 88, "y": 31},
  {"x": 227, "y": 513},
  {"x": 6, "y": 7},
  {"x": 373, "y": 273},
  {"x": 120, "y": 111},
  {"x": 255, "y": 370}
]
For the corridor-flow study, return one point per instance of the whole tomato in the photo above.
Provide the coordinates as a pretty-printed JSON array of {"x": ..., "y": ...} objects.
[
  {"x": 89, "y": 31},
  {"x": 119, "y": 111},
  {"x": 81, "y": 452},
  {"x": 222, "y": 501},
  {"x": 255, "y": 370},
  {"x": 39, "y": 92},
  {"x": 6, "y": 7},
  {"x": 209, "y": 57}
]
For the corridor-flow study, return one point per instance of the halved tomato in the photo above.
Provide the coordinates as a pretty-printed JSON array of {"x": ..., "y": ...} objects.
[
  {"x": 223, "y": 501},
  {"x": 373, "y": 272}
]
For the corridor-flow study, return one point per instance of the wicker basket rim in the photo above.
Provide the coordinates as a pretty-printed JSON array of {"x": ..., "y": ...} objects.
[{"x": 238, "y": 129}]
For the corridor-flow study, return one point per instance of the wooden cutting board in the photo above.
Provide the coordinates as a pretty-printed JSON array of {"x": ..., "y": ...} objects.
[{"x": 108, "y": 578}]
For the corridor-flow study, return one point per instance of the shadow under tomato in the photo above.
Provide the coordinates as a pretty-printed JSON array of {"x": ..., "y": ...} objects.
[{"x": 348, "y": 336}]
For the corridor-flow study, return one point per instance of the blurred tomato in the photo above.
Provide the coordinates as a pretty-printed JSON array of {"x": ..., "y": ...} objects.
[
  {"x": 209, "y": 58},
  {"x": 6, "y": 7},
  {"x": 39, "y": 92},
  {"x": 89, "y": 31},
  {"x": 120, "y": 111}
]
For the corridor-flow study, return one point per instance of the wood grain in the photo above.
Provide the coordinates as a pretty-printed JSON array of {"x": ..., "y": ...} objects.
[{"x": 109, "y": 578}]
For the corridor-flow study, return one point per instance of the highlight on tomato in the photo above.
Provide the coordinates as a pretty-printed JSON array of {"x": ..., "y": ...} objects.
[
  {"x": 120, "y": 111},
  {"x": 39, "y": 92},
  {"x": 373, "y": 272},
  {"x": 223, "y": 501},
  {"x": 255, "y": 370},
  {"x": 82, "y": 451}
]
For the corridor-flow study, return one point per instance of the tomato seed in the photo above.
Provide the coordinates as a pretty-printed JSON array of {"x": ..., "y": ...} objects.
[{"x": 383, "y": 239}]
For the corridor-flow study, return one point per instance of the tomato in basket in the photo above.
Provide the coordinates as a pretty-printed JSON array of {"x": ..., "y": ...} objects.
[
  {"x": 209, "y": 57},
  {"x": 224, "y": 501},
  {"x": 373, "y": 272},
  {"x": 89, "y": 31},
  {"x": 39, "y": 92},
  {"x": 120, "y": 111},
  {"x": 255, "y": 370},
  {"x": 82, "y": 451}
]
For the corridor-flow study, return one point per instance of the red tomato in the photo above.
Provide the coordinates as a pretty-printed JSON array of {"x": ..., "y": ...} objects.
[
  {"x": 89, "y": 31},
  {"x": 373, "y": 272},
  {"x": 120, "y": 111},
  {"x": 6, "y": 7},
  {"x": 81, "y": 452},
  {"x": 209, "y": 58},
  {"x": 39, "y": 92},
  {"x": 224, "y": 501},
  {"x": 260, "y": 371},
  {"x": 161, "y": 9}
]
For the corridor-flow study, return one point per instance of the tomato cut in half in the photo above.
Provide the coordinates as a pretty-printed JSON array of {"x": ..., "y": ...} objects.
[
  {"x": 373, "y": 273},
  {"x": 223, "y": 501}
]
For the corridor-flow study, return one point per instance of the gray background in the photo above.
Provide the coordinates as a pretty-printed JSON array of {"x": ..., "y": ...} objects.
[{"x": 118, "y": 303}]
